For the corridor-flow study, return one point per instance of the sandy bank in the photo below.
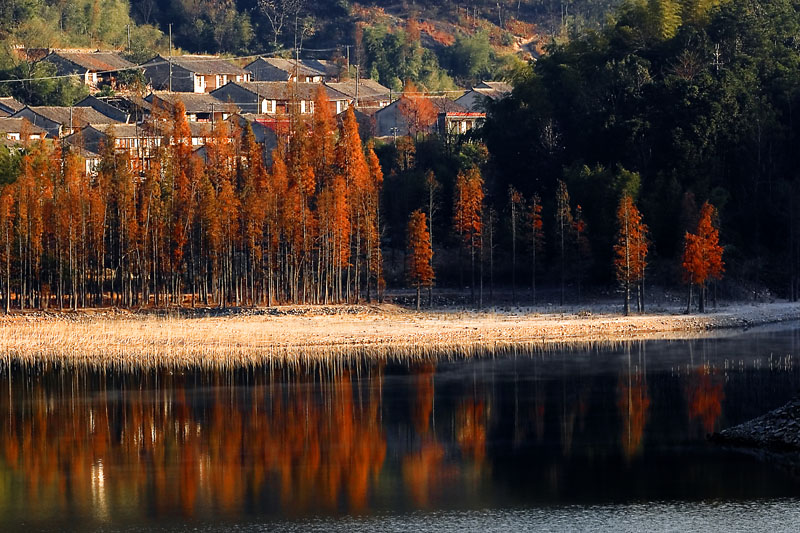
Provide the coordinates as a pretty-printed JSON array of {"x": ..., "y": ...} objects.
[{"x": 306, "y": 334}]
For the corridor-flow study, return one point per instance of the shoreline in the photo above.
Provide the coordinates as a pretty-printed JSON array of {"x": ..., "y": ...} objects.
[
  {"x": 297, "y": 335},
  {"x": 772, "y": 437}
]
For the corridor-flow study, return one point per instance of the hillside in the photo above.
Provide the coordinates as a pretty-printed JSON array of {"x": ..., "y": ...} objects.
[{"x": 437, "y": 44}]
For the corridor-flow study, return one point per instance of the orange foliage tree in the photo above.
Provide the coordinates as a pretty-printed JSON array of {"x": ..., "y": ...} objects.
[
  {"x": 420, "y": 254},
  {"x": 468, "y": 214},
  {"x": 702, "y": 255},
  {"x": 180, "y": 225},
  {"x": 630, "y": 251},
  {"x": 417, "y": 110}
]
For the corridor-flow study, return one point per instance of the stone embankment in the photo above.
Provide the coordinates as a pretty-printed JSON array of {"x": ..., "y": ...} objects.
[{"x": 776, "y": 431}]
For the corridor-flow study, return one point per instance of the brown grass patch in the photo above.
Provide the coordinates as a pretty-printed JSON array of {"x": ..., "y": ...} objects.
[{"x": 315, "y": 335}]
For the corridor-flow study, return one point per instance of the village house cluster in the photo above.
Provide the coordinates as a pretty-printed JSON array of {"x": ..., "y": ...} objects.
[{"x": 216, "y": 93}]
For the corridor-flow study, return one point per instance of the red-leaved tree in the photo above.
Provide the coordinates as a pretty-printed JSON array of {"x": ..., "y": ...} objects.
[
  {"x": 702, "y": 255},
  {"x": 630, "y": 251},
  {"x": 420, "y": 253}
]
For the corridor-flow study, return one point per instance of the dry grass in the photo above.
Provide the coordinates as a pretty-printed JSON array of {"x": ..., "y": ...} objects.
[{"x": 303, "y": 336}]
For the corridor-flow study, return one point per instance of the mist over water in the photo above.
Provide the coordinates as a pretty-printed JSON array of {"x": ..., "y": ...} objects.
[{"x": 598, "y": 439}]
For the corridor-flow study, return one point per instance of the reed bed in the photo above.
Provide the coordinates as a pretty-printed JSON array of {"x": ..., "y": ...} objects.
[{"x": 317, "y": 336}]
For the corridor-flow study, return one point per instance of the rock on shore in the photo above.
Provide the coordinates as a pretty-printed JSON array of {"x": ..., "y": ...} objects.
[{"x": 778, "y": 430}]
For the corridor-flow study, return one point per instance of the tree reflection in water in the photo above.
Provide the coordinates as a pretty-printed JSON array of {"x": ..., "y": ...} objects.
[
  {"x": 705, "y": 393},
  {"x": 633, "y": 402},
  {"x": 325, "y": 441},
  {"x": 157, "y": 448}
]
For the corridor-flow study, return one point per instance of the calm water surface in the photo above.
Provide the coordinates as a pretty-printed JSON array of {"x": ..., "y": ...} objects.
[{"x": 600, "y": 440}]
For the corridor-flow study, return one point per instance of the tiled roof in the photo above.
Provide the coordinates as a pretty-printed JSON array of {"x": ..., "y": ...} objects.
[
  {"x": 78, "y": 116},
  {"x": 306, "y": 67},
  {"x": 11, "y": 103},
  {"x": 446, "y": 105},
  {"x": 281, "y": 90},
  {"x": 493, "y": 89},
  {"x": 205, "y": 64},
  {"x": 329, "y": 68},
  {"x": 16, "y": 125},
  {"x": 192, "y": 102},
  {"x": 367, "y": 88},
  {"x": 84, "y": 152},
  {"x": 95, "y": 61},
  {"x": 206, "y": 129},
  {"x": 129, "y": 131},
  {"x": 136, "y": 101}
]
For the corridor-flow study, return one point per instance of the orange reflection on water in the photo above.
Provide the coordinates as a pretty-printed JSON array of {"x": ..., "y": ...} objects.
[
  {"x": 633, "y": 401},
  {"x": 423, "y": 471},
  {"x": 423, "y": 397},
  {"x": 154, "y": 448},
  {"x": 706, "y": 392},
  {"x": 471, "y": 430}
]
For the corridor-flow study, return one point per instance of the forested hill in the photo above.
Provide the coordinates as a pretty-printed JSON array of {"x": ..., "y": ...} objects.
[
  {"x": 434, "y": 43},
  {"x": 678, "y": 102}
]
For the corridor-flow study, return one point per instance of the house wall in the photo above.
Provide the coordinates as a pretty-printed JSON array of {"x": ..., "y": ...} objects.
[
  {"x": 388, "y": 118},
  {"x": 472, "y": 100},
  {"x": 157, "y": 74},
  {"x": 64, "y": 67},
  {"x": 263, "y": 71},
  {"x": 53, "y": 128},
  {"x": 246, "y": 100},
  {"x": 104, "y": 108}
]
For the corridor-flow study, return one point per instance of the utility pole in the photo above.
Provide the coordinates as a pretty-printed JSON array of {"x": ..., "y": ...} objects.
[
  {"x": 170, "y": 57},
  {"x": 357, "y": 76},
  {"x": 347, "y": 51},
  {"x": 128, "y": 26}
]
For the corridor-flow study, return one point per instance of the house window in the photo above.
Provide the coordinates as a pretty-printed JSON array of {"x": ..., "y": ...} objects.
[
  {"x": 13, "y": 136},
  {"x": 302, "y": 106},
  {"x": 268, "y": 106}
]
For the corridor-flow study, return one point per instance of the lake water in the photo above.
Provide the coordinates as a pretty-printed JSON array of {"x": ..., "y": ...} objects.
[{"x": 594, "y": 440}]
